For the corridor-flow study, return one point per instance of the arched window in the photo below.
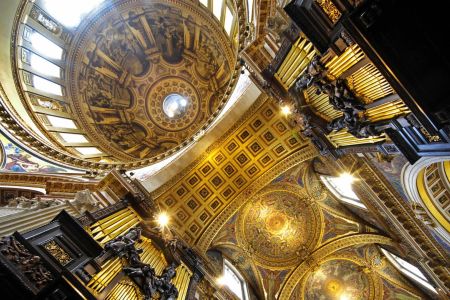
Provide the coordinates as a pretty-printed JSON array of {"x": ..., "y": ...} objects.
[
  {"x": 341, "y": 187},
  {"x": 233, "y": 280},
  {"x": 409, "y": 270}
]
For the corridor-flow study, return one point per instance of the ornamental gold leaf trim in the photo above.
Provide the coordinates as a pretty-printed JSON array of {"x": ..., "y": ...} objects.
[
  {"x": 57, "y": 252},
  {"x": 330, "y": 10}
]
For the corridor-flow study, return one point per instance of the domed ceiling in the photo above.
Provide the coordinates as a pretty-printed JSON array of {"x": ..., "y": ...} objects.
[
  {"x": 131, "y": 83},
  {"x": 280, "y": 226},
  {"x": 145, "y": 76},
  {"x": 338, "y": 280}
]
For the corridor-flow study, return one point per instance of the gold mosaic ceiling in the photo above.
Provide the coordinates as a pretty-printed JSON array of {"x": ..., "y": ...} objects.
[
  {"x": 128, "y": 60},
  {"x": 280, "y": 225}
]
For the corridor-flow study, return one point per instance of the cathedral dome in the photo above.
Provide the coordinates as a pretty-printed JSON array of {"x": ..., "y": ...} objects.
[{"x": 128, "y": 82}]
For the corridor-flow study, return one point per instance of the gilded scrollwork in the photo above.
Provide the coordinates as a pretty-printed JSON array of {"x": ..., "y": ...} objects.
[
  {"x": 281, "y": 224},
  {"x": 330, "y": 9},
  {"x": 57, "y": 252},
  {"x": 315, "y": 258}
]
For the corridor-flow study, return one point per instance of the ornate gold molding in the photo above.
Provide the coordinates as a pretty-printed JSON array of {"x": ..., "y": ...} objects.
[
  {"x": 413, "y": 228},
  {"x": 299, "y": 272},
  {"x": 397, "y": 217},
  {"x": 15, "y": 124},
  {"x": 261, "y": 100},
  {"x": 40, "y": 180},
  {"x": 330, "y": 9},
  {"x": 375, "y": 284},
  {"x": 304, "y": 153},
  {"x": 289, "y": 205},
  {"x": 57, "y": 252}
]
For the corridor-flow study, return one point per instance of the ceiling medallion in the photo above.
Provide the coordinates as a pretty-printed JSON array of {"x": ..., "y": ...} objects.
[
  {"x": 280, "y": 226},
  {"x": 145, "y": 76}
]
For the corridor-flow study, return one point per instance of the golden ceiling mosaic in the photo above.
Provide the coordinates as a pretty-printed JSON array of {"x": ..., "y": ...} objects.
[
  {"x": 294, "y": 240},
  {"x": 280, "y": 226},
  {"x": 196, "y": 197}
]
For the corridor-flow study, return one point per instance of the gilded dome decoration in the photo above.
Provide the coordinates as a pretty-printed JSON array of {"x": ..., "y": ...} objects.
[
  {"x": 338, "y": 280},
  {"x": 133, "y": 58},
  {"x": 280, "y": 226},
  {"x": 126, "y": 85}
]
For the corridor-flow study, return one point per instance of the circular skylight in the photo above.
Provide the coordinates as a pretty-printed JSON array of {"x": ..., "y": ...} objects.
[{"x": 175, "y": 105}]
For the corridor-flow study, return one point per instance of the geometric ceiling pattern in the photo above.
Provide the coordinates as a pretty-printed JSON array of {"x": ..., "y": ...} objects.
[{"x": 248, "y": 150}]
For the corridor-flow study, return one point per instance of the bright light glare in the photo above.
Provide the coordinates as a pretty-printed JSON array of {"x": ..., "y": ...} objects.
[
  {"x": 44, "y": 66},
  {"x": 286, "y": 110},
  {"x": 69, "y": 12},
  {"x": 204, "y": 2},
  {"x": 344, "y": 297},
  {"x": 341, "y": 187},
  {"x": 47, "y": 86},
  {"x": 174, "y": 105},
  {"x": 45, "y": 47},
  {"x": 61, "y": 122},
  {"x": 347, "y": 178},
  {"x": 250, "y": 9},
  {"x": 408, "y": 269},
  {"x": 162, "y": 219},
  {"x": 232, "y": 281},
  {"x": 221, "y": 280}
]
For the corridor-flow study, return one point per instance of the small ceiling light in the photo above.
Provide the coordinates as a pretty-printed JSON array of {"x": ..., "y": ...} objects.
[
  {"x": 344, "y": 297},
  {"x": 162, "y": 219},
  {"x": 221, "y": 281},
  {"x": 347, "y": 178},
  {"x": 286, "y": 110}
]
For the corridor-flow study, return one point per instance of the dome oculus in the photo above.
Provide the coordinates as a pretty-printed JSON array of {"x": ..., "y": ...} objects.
[{"x": 175, "y": 105}]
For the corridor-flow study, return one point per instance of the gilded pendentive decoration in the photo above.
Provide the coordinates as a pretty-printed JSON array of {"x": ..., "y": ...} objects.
[
  {"x": 57, "y": 252},
  {"x": 280, "y": 226},
  {"x": 338, "y": 279},
  {"x": 130, "y": 58}
]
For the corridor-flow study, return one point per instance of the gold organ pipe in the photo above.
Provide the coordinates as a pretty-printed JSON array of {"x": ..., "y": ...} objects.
[
  {"x": 387, "y": 111},
  {"x": 292, "y": 53},
  {"x": 297, "y": 59},
  {"x": 107, "y": 228},
  {"x": 339, "y": 64},
  {"x": 300, "y": 68},
  {"x": 112, "y": 226},
  {"x": 105, "y": 276},
  {"x": 369, "y": 83},
  {"x": 182, "y": 280},
  {"x": 343, "y": 138},
  {"x": 295, "y": 50},
  {"x": 295, "y": 62}
]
